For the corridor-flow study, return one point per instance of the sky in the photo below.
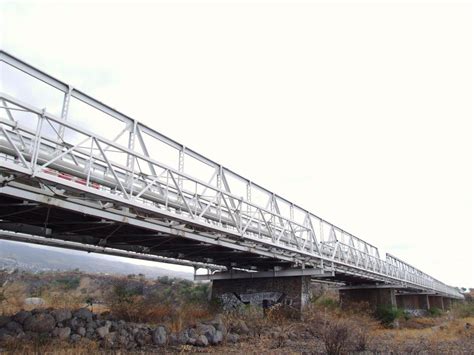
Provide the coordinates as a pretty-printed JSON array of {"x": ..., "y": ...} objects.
[{"x": 360, "y": 112}]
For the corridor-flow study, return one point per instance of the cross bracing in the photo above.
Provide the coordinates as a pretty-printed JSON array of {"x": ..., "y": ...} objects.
[{"x": 124, "y": 186}]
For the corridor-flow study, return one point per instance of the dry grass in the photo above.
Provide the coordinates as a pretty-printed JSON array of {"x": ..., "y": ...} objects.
[
  {"x": 13, "y": 298},
  {"x": 47, "y": 346},
  {"x": 63, "y": 300}
]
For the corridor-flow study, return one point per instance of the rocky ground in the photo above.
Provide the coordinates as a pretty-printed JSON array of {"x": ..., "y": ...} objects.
[
  {"x": 110, "y": 333},
  {"x": 75, "y": 313},
  {"x": 81, "y": 329}
]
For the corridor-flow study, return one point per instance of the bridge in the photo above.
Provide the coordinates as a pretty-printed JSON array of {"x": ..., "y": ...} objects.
[{"x": 77, "y": 173}]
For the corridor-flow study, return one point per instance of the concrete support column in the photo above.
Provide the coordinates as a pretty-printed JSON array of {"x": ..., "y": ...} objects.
[
  {"x": 375, "y": 297},
  {"x": 292, "y": 291},
  {"x": 424, "y": 302}
]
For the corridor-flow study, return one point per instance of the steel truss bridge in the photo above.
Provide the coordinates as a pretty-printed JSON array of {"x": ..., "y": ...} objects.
[{"x": 79, "y": 174}]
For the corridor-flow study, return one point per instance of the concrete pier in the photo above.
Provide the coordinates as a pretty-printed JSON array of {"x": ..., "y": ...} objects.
[
  {"x": 436, "y": 301},
  {"x": 293, "y": 291},
  {"x": 413, "y": 301},
  {"x": 374, "y": 297}
]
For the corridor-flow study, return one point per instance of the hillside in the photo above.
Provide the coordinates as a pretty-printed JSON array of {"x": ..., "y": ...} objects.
[{"x": 34, "y": 258}]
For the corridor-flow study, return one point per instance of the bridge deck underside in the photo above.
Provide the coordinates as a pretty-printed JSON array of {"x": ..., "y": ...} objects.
[
  {"x": 32, "y": 218},
  {"x": 20, "y": 215}
]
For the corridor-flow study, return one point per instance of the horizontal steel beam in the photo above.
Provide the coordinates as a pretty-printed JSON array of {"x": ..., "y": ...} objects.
[
  {"x": 261, "y": 274},
  {"x": 60, "y": 243}
]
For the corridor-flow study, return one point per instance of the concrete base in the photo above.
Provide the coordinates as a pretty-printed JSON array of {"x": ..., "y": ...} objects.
[
  {"x": 374, "y": 297},
  {"x": 291, "y": 291}
]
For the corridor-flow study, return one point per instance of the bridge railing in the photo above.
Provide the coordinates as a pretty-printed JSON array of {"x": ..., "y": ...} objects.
[{"x": 138, "y": 166}]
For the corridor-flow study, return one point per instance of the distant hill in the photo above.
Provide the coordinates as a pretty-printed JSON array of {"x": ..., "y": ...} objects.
[{"x": 37, "y": 258}]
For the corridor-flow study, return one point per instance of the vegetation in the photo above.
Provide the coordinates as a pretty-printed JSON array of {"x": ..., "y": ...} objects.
[
  {"x": 177, "y": 304},
  {"x": 387, "y": 315},
  {"x": 435, "y": 312},
  {"x": 67, "y": 282},
  {"x": 464, "y": 309}
]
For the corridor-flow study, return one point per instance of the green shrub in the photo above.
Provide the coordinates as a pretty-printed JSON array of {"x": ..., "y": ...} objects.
[
  {"x": 195, "y": 293},
  {"x": 70, "y": 282},
  {"x": 388, "y": 314},
  {"x": 435, "y": 312},
  {"x": 125, "y": 292},
  {"x": 165, "y": 280}
]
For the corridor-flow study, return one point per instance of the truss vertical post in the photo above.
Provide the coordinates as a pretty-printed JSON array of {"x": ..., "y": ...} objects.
[
  {"x": 64, "y": 114},
  {"x": 249, "y": 196},
  {"x": 219, "y": 179},
  {"x": 182, "y": 153},
  {"x": 130, "y": 158},
  {"x": 37, "y": 142}
]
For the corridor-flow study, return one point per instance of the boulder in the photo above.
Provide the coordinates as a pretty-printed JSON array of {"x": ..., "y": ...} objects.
[
  {"x": 141, "y": 338},
  {"x": 81, "y": 331},
  {"x": 21, "y": 316},
  {"x": 89, "y": 332},
  {"x": 240, "y": 327},
  {"x": 40, "y": 323},
  {"x": 219, "y": 324},
  {"x": 207, "y": 330},
  {"x": 192, "y": 333},
  {"x": 4, "y": 320},
  {"x": 159, "y": 336},
  {"x": 217, "y": 337},
  {"x": 232, "y": 338},
  {"x": 83, "y": 313},
  {"x": 202, "y": 341},
  {"x": 62, "y": 333},
  {"x": 76, "y": 323},
  {"x": 182, "y": 338},
  {"x": 102, "y": 331},
  {"x": 14, "y": 327},
  {"x": 34, "y": 301},
  {"x": 61, "y": 315}
]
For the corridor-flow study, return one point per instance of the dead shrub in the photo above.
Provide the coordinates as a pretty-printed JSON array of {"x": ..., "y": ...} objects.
[
  {"x": 341, "y": 331},
  {"x": 335, "y": 335}
]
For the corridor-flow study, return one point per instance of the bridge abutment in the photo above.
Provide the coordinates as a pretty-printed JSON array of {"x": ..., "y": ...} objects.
[
  {"x": 374, "y": 297},
  {"x": 293, "y": 291}
]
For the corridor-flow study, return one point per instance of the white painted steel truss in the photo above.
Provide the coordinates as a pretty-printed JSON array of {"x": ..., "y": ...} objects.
[{"x": 123, "y": 176}]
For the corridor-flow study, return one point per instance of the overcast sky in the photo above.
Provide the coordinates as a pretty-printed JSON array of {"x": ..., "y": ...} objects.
[{"x": 359, "y": 112}]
